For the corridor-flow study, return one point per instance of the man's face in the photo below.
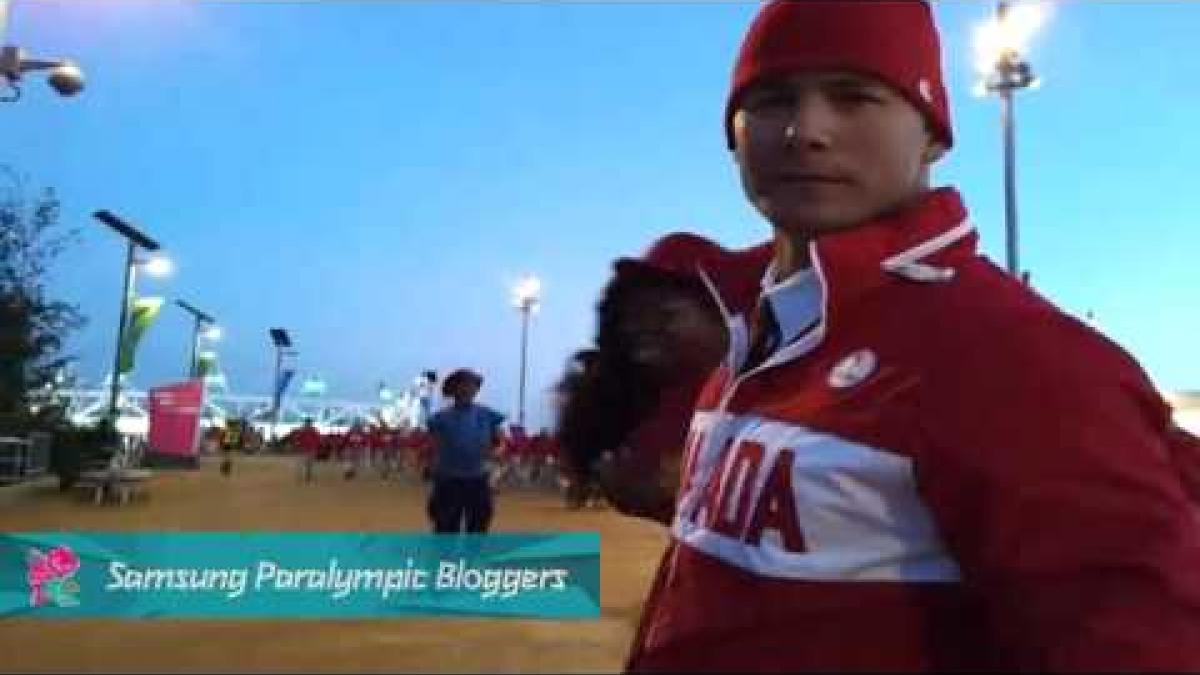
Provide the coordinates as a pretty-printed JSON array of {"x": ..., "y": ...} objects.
[
  {"x": 826, "y": 150},
  {"x": 465, "y": 392}
]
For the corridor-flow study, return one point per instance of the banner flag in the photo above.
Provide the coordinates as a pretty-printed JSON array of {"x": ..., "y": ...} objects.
[{"x": 141, "y": 316}]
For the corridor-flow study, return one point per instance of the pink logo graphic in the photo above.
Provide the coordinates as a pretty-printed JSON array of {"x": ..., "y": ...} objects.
[{"x": 50, "y": 577}]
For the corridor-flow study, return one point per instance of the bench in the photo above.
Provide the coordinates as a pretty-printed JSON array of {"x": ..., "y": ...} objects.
[{"x": 120, "y": 480}]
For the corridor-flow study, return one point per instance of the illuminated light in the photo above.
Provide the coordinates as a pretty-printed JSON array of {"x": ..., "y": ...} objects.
[
  {"x": 997, "y": 39},
  {"x": 158, "y": 266},
  {"x": 527, "y": 292}
]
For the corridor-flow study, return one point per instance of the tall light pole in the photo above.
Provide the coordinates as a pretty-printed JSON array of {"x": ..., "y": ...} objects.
[
  {"x": 526, "y": 296},
  {"x": 64, "y": 77},
  {"x": 283, "y": 347},
  {"x": 1000, "y": 44},
  {"x": 204, "y": 325},
  {"x": 135, "y": 239}
]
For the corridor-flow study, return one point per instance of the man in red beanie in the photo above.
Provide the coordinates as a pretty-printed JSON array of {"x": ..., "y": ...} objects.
[{"x": 908, "y": 461}]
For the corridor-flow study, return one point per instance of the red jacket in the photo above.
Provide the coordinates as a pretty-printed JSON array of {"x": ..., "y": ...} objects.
[
  {"x": 419, "y": 440},
  {"x": 308, "y": 440},
  {"x": 948, "y": 472},
  {"x": 379, "y": 438},
  {"x": 355, "y": 440},
  {"x": 540, "y": 447},
  {"x": 519, "y": 446},
  {"x": 653, "y": 445}
]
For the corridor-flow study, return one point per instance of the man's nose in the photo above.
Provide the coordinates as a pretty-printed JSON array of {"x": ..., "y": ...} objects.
[{"x": 810, "y": 124}]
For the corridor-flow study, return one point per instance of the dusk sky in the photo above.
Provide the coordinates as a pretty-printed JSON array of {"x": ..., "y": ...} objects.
[{"x": 374, "y": 176}]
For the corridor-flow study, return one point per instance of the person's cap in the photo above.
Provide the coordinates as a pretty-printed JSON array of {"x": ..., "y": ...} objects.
[
  {"x": 895, "y": 41},
  {"x": 678, "y": 253}
]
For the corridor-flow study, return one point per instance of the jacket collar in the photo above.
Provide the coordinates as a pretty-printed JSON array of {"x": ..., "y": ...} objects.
[
  {"x": 921, "y": 243},
  {"x": 855, "y": 261}
]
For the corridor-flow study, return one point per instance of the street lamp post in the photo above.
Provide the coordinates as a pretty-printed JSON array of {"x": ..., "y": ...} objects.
[
  {"x": 1000, "y": 44},
  {"x": 126, "y": 299},
  {"x": 526, "y": 296},
  {"x": 64, "y": 77},
  {"x": 1008, "y": 122},
  {"x": 202, "y": 320},
  {"x": 524, "y": 366},
  {"x": 134, "y": 239},
  {"x": 283, "y": 344}
]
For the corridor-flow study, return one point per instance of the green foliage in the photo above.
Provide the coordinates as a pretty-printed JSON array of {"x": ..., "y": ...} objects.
[
  {"x": 75, "y": 450},
  {"x": 33, "y": 326}
]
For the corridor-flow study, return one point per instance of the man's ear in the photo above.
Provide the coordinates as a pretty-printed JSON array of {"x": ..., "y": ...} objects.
[
  {"x": 737, "y": 123},
  {"x": 934, "y": 151}
]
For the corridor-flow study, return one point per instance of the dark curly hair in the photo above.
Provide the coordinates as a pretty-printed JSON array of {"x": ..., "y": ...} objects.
[
  {"x": 462, "y": 375},
  {"x": 604, "y": 393}
]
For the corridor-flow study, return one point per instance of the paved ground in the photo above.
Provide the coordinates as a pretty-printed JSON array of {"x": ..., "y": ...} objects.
[{"x": 264, "y": 495}]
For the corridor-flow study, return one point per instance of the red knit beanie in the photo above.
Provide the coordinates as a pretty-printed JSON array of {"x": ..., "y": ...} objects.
[{"x": 893, "y": 40}]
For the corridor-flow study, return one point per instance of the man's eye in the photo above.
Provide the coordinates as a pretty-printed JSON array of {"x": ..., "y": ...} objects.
[
  {"x": 768, "y": 100},
  {"x": 857, "y": 97}
]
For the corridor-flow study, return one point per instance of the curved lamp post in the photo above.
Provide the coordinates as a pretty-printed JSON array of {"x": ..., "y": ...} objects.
[{"x": 64, "y": 75}]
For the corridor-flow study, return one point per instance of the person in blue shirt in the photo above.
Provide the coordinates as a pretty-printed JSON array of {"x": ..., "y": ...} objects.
[{"x": 464, "y": 435}]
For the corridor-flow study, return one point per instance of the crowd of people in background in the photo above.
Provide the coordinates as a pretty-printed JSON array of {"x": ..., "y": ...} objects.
[
  {"x": 520, "y": 460},
  {"x": 372, "y": 448}
]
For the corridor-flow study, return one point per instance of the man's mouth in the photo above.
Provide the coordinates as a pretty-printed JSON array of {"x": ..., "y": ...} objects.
[{"x": 811, "y": 178}]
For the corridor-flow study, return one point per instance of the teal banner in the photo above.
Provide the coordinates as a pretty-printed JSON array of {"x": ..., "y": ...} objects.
[{"x": 298, "y": 575}]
